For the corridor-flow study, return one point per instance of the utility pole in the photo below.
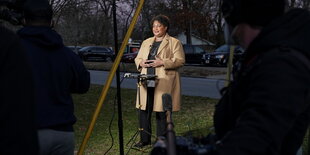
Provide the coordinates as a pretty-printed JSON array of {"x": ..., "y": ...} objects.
[{"x": 188, "y": 8}]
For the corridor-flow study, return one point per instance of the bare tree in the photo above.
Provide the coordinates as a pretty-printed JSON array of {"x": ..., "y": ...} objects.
[
  {"x": 299, "y": 4},
  {"x": 58, "y": 6},
  {"x": 90, "y": 21},
  {"x": 85, "y": 21},
  {"x": 190, "y": 16}
]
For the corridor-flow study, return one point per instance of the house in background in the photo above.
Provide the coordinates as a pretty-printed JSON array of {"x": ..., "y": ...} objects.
[
  {"x": 198, "y": 41},
  {"x": 194, "y": 52}
]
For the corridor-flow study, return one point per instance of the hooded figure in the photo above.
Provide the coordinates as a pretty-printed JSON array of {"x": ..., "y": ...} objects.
[
  {"x": 265, "y": 110},
  {"x": 57, "y": 72}
]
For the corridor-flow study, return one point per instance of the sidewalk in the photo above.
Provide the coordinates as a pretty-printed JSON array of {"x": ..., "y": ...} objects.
[
  {"x": 191, "y": 86},
  {"x": 219, "y": 77}
]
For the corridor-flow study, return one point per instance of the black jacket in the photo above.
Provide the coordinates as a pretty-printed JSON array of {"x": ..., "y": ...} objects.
[
  {"x": 58, "y": 72},
  {"x": 265, "y": 110},
  {"x": 17, "y": 110}
]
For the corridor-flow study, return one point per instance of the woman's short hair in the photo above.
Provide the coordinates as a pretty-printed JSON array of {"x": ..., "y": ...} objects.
[{"x": 163, "y": 20}]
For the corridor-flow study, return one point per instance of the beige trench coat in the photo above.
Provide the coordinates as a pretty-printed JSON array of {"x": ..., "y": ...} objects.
[{"x": 168, "y": 78}]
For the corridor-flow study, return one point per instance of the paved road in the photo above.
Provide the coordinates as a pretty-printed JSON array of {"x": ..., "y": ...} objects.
[{"x": 205, "y": 87}]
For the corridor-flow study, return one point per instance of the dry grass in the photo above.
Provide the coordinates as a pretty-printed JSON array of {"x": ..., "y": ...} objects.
[{"x": 196, "y": 115}]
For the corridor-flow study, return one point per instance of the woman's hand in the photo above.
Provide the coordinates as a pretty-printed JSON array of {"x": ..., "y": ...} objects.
[
  {"x": 145, "y": 63},
  {"x": 156, "y": 63},
  {"x": 152, "y": 63}
]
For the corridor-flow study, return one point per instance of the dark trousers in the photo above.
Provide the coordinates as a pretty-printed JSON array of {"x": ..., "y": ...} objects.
[{"x": 145, "y": 119}]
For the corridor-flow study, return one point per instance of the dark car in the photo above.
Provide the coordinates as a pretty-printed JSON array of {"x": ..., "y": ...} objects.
[
  {"x": 96, "y": 53},
  {"x": 193, "y": 53},
  {"x": 129, "y": 57},
  {"x": 220, "y": 56},
  {"x": 131, "y": 52}
]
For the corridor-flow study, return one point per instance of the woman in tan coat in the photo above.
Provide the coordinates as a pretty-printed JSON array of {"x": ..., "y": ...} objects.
[{"x": 161, "y": 55}]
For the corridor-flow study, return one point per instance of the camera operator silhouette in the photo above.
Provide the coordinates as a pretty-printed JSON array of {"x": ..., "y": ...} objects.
[
  {"x": 265, "y": 110},
  {"x": 57, "y": 73}
]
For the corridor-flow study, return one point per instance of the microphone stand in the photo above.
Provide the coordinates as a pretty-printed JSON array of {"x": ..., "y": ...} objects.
[
  {"x": 167, "y": 106},
  {"x": 170, "y": 134},
  {"x": 140, "y": 79},
  {"x": 119, "y": 103}
]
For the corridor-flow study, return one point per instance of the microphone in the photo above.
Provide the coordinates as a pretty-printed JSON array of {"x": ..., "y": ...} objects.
[{"x": 167, "y": 106}]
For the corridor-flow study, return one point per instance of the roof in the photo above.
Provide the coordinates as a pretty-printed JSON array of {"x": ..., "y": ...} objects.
[{"x": 195, "y": 40}]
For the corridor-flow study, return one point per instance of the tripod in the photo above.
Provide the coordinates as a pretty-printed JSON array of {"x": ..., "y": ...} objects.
[{"x": 150, "y": 81}]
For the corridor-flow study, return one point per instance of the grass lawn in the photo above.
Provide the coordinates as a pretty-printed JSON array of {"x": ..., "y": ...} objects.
[{"x": 195, "y": 115}]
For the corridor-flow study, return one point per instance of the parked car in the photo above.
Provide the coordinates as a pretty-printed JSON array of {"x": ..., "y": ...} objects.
[
  {"x": 75, "y": 49},
  {"x": 220, "y": 56},
  {"x": 129, "y": 57},
  {"x": 131, "y": 52},
  {"x": 193, "y": 53},
  {"x": 96, "y": 53}
]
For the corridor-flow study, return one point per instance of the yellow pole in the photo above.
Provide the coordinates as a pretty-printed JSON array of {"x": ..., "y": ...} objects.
[
  {"x": 110, "y": 78},
  {"x": 229, "y": 65}
]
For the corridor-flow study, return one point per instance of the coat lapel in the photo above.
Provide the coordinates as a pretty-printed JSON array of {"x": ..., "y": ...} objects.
[
  {"x": 148, "y": 47},
  {"x": 163, "y": 44}
]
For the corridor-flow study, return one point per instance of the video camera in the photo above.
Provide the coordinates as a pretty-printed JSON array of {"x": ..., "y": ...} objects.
[
  {"x": 186, "y": 146},
  {"x": 12, "y": 11}
]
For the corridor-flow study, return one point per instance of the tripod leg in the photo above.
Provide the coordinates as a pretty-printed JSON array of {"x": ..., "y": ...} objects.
[
  {"x": 150, "y": 134},
  {"x": 144, "y": 117},
  {"x": 133, "y": 138},
  {"x": 145, "y": 126},
  {"x": 132, "y": 141}
]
